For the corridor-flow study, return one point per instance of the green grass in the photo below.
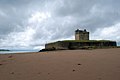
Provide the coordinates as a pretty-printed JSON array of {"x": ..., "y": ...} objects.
[
  {"x": 87, "y": 41},
  {"x": 83, "y": 41}
]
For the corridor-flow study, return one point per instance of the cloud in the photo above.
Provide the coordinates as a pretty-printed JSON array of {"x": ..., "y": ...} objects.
[
  {"x": 110, "y": 33},
  {"x": 32, "y": 23}
]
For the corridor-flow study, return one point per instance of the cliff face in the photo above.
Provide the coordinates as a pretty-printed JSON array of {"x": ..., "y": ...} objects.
[{"x": 79, "y": 44}]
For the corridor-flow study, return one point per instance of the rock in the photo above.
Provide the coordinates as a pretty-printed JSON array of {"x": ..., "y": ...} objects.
[
  {"x": 73, "y": 70},
  {"x": 79, "y": 64},
  {"x": 1, "y": 64},
  {"x": 12, "y": 73}
]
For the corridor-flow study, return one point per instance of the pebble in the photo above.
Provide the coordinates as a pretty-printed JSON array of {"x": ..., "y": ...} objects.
[
  {"x": 1, "y": 64},
  {"x": 79, "y": 64},
  {"x": 73, "y": 70},
  {"x": 12, "y": 73}
]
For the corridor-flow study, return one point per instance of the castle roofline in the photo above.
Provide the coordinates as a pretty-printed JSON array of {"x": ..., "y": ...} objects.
[{"x": 81, "y": 30}]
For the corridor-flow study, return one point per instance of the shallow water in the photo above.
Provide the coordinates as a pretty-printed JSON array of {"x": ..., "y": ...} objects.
[{"x": 17, "y": 51}]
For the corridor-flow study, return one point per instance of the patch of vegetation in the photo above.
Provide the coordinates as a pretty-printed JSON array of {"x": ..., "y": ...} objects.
[
  {"x": 87, "y": 41},
  {"x": 83, "y": 41}
]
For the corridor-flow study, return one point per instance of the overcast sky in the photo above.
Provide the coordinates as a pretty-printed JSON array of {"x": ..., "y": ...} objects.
[{"x": 29, "y": 24}]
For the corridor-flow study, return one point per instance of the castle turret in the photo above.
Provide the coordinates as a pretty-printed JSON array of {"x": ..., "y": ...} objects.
[{"x": 81, "y": 35}]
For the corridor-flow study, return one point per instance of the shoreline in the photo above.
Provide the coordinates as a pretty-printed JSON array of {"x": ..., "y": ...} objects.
[
  {"x": 16, "y": 52},
  {"x": 27, "y": 52}
]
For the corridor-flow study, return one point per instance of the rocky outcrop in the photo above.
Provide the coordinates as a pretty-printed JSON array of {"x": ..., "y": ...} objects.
[{"x": 73, "y": 44}]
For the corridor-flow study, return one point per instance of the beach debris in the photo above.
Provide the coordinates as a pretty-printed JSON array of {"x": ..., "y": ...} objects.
[
  {"x": 1, "y": 64},
  {"x": 10, "y": 56},
  {"x": 73, "y": 70},
  {"x": 12, "y": 73},
  {"x": 79, "y": 64}
]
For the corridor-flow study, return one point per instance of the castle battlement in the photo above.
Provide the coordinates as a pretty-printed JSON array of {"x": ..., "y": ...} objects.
[{"x": 81, "y": 34}]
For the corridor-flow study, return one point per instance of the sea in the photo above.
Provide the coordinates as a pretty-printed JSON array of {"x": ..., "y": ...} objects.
[{"x": 17, "y": 51}]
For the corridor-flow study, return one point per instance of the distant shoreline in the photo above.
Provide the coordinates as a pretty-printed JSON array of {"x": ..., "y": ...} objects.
[
  {"x": 4, "y": 50},
  {"x": 16, "y": 51}
]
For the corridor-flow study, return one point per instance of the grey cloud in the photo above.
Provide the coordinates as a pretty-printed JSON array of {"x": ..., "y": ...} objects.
[
  {"x": 74, "y": 8},
  {"x": 65, "y": 17},
  {"x": 92, "y": 14}
]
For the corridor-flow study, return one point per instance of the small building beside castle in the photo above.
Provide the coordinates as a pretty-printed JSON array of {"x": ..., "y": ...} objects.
[{"x": 81, "y": 42}]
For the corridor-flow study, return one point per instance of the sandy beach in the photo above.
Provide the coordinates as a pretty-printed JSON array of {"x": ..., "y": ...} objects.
[{"x": 98, "y": 64}]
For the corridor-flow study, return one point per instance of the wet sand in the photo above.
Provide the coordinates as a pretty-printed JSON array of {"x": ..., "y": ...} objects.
[{"x": 98, "y": 64}]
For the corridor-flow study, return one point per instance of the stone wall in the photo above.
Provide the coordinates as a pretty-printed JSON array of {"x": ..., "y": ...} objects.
[
  {"x": 79, "y": 45},
  {"x": 57, "y": 45}
]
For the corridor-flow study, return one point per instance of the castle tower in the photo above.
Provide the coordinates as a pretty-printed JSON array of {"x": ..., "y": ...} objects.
[{"x": 81, "y": 35}]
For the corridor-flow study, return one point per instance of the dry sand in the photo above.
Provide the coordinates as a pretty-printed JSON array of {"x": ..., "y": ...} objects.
[{"x": 98, "y": 64}]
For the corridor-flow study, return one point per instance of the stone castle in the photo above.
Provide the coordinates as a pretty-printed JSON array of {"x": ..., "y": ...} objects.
[
  {"x": 81, "y": 42},
  {"x": 81, "y": 35}
]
